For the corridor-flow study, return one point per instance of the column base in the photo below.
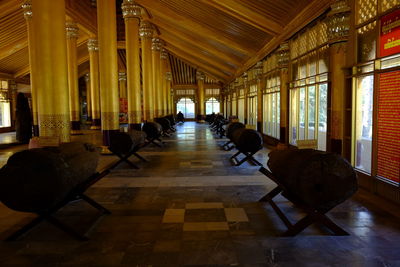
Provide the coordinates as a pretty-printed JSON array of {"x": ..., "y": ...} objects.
[
  {"x": 259, "y": 126},
  {"x": 76, "y": 132},
  {"x": 107, "y": 135},
  {"x": 96, "y": 124},
  {"x": 336, "y": 146},
  {"x": 35, "y": 130},
  {"x": 135, "y": 126},
  {"x": 105, "y": 151},
  {"x": 76, "y": 128}
]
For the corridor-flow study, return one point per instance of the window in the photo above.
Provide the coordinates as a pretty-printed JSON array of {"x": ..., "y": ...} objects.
[
  {"x": 252, "y": 106},
  {"x": 186, "y": 106},
  {"x": 272, "y": 98},
  {"x": 378, "y": 49},
  {"x": 212, "y": 106},
  {"x": 309, "y": 88},
  {"x": 240, "y": 100},
  {"x": 5, "y": 108}
]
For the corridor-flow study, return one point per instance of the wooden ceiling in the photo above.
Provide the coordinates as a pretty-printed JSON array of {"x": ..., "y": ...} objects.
[{"x": 222, "y": 38}]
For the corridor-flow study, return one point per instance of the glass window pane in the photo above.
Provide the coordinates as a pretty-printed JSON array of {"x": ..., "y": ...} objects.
[
  {"x": 363, "y": 123},
  {"x": 293, "y": 116},
  {"x": 241, "y": 109},
  {"x": 322, "y": 115},
  {"x": 302, "y": 113},
  {"x": 311, "y": 112},
  {"x": 186, "y": 106}
]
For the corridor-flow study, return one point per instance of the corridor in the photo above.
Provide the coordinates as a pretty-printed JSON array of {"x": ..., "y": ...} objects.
[{"x": 188, "y": 206}]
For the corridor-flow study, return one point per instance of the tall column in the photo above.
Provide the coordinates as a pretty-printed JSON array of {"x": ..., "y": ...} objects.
[
  {"x": 12, "y": 88},
  {"x": 246, "y": 94},
  {"x": 88, "y": 98},
  {"x": 72, "y": 60},
  {"x": 338, "y": 25},
  {"x": 283, "y": 63},
  {"x": 170, "y": 97},
  {"x": 27, "y": 7},
  {"x": 155, "y": 55},
  {"x": 94, "y": 83},
  {"x": 260, "y": 88},
  {"x": 201, "y": 96},
  {"x": 222, "y": 102},
  {"x": 122, "y": 85},
  {"x": 146, "y": 34},
  {"x": 108, "y": 67},
  {"x": 164, "y": 92},
  {"x": 132, "y": 12},
  {"x": 50, "y": 50}
]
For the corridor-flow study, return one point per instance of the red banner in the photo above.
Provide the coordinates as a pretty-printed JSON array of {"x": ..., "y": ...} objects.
[
  {"x": 389, "y": 126},
  {"x": 390, "y": 34}
]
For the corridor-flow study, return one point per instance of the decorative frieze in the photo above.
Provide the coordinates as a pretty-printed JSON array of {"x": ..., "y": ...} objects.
[
  {"x": 71, "y": 29},
  {"x": 27, "y": 8},
  {"x": 122, "y": 76},
  {"x": 93, "y": 45},
  {"x": 200, "y": 76},
  {"x": 168, "y": 76},
  {"x": 164, "y": 54},
  {"x": 283, "y": 55},
  {"x": 338, "y": 22},
  {"x": 156, "y": 44},
  {"x": 131, "y": 10},
  {"x": 146, "y": 29}
]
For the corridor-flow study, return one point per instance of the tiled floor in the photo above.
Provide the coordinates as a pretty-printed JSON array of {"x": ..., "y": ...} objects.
[{"x": 188, "y": 206}]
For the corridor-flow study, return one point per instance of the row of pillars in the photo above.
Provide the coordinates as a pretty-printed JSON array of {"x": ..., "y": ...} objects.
[{"x": 54, "y": 70}]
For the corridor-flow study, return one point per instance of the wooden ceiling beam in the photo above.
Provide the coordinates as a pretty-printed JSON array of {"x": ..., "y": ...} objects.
[
  {"x": 193, "y": 52},
  {"x": 194, "y": 60},
  {"x": 219, "y": 75},
  {"x": 8, "y": 7},
  {"x": 246, "y": 15},
  {"x": 13, "y": 48},
  {"x": 22, "y": 72},
  {"x": 173, "y": 18},
  {"x": 26, "y": 69},
  {"x": 6, "y": 75},
  {"x": 202, "y": 45},
  {"x": 313, "y": 10}
]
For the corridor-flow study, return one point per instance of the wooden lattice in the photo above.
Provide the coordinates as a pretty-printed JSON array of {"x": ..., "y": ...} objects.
[
  {"x": 312, "y": 37},
  {"x": 367, "y": 9},
  {"x": 388, "y": 4}
]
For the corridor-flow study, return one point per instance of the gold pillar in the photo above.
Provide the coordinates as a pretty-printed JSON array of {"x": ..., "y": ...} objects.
[
  {"x": 122, "y": 85},
  {"x": 222, "y": 102},
  {"x": 283, "y": 63},
  {"x": 27, "y": 7},
  {"x": 132, "y": 13},
  {"x": 72, "y": 36},
  {"x": 163, "y": 82},
  {"x": 170, "y": 97},
  {"x": 94, "y": 83},
  {"x": 146, "y": 34},
  {"x": 155, "y": 55},
  {"x": 50, "y": 50},
  {"x": 201, "y": 96},
  {"x": 246, "y": 95},
  {"x": 338, "y": 24},
  {"x": 88, "y": 98},
  {"x": 108, "y": 67},
  {"x": 260, "y": 106}
]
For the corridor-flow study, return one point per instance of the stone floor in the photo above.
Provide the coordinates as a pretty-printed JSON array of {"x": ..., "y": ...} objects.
[{"x": 188, "y": 206}]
